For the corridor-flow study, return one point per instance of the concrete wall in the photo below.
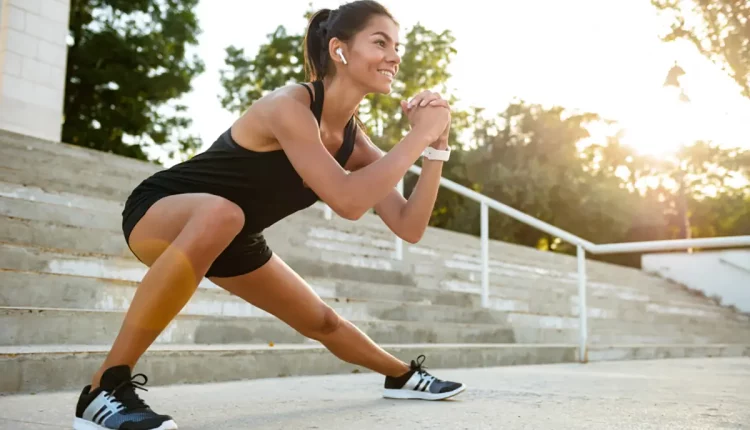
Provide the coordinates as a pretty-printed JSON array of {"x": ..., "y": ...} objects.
[
  {"x": 33, "y": 56},
  {"x": 725, "y": 274}
]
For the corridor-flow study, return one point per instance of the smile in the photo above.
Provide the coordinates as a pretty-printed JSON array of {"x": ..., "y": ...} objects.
[{"x": 386, "y": 73}]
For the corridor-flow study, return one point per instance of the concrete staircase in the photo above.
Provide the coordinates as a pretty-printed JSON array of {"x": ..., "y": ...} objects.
[{"x": 67, "y": 276}]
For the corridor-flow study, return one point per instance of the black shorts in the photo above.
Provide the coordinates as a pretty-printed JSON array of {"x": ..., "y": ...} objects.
[{"x": 246, "y": 253}]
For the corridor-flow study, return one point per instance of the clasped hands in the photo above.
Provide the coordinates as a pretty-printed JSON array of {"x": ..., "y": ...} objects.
[{"x": 427, "y": 100}]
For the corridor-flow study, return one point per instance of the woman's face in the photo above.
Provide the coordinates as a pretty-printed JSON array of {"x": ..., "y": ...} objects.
[{"x": 372, "y": 55}]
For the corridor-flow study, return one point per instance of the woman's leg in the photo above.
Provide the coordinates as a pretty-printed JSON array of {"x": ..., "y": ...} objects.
[
  {"x": 178, "y": 238},
  {"x": 278, "y": 290}
]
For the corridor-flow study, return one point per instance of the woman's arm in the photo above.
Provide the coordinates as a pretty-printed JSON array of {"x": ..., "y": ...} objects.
[
  {"x": 407, "y": 219},
  {"x": 350, "y": 195}
]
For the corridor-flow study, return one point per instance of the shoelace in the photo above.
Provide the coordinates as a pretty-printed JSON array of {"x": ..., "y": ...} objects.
[
  {"x": 419, "y": 366},
  {"x": 125, "y": 392}
]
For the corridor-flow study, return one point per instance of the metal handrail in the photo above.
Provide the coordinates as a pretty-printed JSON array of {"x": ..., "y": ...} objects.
[
  {"x": 611, "y": 248},
  {"x": 733, "y": 264},
  {"x": 582, "y": 246}
]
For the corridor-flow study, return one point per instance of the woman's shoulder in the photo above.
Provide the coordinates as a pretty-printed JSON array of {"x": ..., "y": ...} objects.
[
  {"x": 284, "y": 107},
  {"x": 294, "y": 92},
  {"x": 288, "y": 100}
]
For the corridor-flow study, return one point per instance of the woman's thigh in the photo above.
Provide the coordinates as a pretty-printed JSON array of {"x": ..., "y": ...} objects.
[
  {"x": 166, "y": 220},
  {"x": 280, "y": 291}
]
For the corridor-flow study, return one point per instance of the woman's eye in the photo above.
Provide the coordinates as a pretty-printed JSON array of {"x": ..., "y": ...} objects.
[{"x": 381, "y": 43}]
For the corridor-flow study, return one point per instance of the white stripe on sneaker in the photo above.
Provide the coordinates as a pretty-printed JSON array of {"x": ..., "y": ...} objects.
[
  {"x": 424, "y": 382},
  {"x": 101, "y": 408},
  {"x": 413, "y": 382}
]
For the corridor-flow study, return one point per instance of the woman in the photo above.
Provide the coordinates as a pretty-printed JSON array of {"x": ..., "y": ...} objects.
[{"x": 296, "y": 145}]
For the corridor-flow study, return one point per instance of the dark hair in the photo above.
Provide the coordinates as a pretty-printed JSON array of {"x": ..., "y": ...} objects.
[{"x": 342, "y": 23}]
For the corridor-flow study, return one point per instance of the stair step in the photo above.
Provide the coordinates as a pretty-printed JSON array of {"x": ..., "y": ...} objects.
[
  {"x": 65, "y": 151},
  {"x": 27, "y": 369},
  {"x": 67, "y": 181},
  {"x": 35, "y": 326},
  {"x": 11, "y": 156}
]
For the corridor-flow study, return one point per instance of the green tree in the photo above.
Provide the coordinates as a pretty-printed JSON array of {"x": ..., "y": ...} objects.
[
  {"x": 725, "y": 214},
  {"x": 247, "y": 79},
  {"x": 702, "y": 171},
  {"x": 128, "y": 64},
  {"x": 543, "y": 162},
  {"x": 532, "y": 158},
  {"x": 719, "y": 29}
]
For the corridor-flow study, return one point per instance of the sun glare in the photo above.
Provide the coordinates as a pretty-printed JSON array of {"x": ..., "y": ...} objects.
[
  {"x": 662, "y": 125},
  {"x": 664, "y": 122}
]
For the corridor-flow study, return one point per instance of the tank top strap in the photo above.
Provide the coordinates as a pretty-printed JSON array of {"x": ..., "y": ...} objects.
[
  {"x": 317, "y": 106},
  {"x": 309, "y": 91},
  {"x": 350, "y": 134},
  {"x": 347, "y": 147},
  {"x": 316, "y": 100}
]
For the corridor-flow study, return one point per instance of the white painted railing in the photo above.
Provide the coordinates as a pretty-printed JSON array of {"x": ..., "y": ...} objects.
[{"x": 582, "y": 246}]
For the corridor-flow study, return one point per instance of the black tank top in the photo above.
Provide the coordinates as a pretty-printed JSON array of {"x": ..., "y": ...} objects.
[{"x": 264, "y": 184}]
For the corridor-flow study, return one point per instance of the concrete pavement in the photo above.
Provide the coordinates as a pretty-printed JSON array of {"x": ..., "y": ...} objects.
[{"x": 655, "y": 394}]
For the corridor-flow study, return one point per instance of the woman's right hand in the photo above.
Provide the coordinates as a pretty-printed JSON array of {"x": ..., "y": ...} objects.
[{"x": 431, "y": 119}]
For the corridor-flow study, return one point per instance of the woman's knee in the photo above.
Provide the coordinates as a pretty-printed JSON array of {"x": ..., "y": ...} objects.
[
  {"x": 199, "y": 222},
  {"x": 326, "y": 323},
  {"x": 219, "y": 218}
]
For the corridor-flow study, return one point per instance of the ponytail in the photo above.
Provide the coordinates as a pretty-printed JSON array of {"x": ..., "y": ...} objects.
[{"x": 316, "y": 46}]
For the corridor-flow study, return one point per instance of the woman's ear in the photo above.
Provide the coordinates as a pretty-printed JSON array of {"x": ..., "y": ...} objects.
[{"x": 337, "y": 51}]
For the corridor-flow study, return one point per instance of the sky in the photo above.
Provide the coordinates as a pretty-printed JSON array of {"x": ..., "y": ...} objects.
[{"x": 585, "y": 55}]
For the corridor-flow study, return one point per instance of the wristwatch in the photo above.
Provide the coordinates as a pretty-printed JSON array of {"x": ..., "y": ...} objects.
[{"x": 431, "y": 153}]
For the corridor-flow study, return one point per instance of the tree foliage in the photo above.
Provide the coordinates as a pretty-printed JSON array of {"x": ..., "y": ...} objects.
[
  {"x": 128, "y": 63},
  {"x": 719, "y": 29},
  {"x": 531, "y": 158},
  {"x": 543, "y": 162},
  {"x": 277, "y": 63}
]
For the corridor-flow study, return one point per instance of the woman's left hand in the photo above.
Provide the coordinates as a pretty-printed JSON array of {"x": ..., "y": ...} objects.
[{"x": 428, "y": 99}]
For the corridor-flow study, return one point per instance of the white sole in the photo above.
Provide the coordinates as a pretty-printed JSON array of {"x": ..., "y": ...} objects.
[
  {"x": 390, "y": 393},
  {"x": 81, "y": 424}
]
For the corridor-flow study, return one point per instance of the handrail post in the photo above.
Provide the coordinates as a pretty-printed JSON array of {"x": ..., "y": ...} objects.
[
  {"x": 328, "y": 213},
  {"x": 399, "y": 243},
  {"x": 582, "y": 308},
  {"x": 484, "y": 227}
]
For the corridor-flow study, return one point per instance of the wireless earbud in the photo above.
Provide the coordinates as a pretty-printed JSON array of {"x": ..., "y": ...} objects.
[{"x": 338, "y": 51}]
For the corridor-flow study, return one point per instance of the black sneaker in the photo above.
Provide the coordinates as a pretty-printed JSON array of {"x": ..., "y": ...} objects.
[
  {"x": 418, "y": 384},
  {"x": 115, "y": 405}
]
